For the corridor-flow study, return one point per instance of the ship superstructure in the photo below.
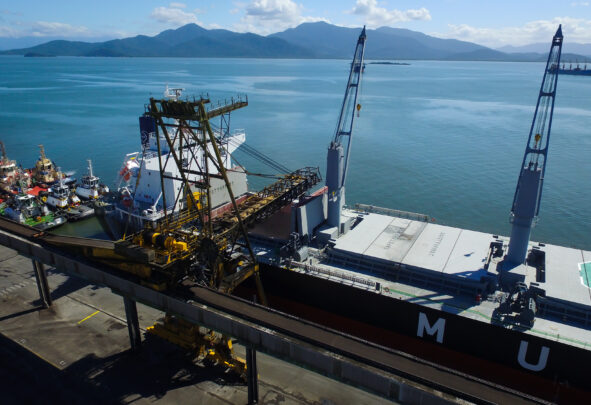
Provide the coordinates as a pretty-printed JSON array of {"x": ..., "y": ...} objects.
[{"x": 144, "y": 196}]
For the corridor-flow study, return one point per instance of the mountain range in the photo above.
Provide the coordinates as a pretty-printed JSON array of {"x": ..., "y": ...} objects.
[{"x": 308, "y": 40}]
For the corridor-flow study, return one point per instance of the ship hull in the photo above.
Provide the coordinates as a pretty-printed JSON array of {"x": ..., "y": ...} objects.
[
  {"x": 575, "y": 72},
  {"x": 525, "y": 362}
]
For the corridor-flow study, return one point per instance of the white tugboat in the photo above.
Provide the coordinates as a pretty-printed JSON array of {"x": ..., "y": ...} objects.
[
  {"x": 59, "y": 195},
  {"x": 90, "y": 189}
]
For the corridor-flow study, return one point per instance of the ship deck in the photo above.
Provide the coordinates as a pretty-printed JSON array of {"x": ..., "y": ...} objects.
[{"x": 443, "y": 267}]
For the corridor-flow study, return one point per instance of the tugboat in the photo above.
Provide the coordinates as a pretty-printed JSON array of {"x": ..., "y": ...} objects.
[
  {"x": 64, "y": 201},
  {"x": 7, "y": 171},
  {"x": 25, "y": 208},
  {"x": 44, "y": 171},
  {"x": 58, "y": 197},
  {"x": 90, "y": 189}
]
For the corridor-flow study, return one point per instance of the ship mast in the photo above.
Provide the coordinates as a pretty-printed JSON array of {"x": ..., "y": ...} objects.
[
  {"x": 4, "y": 157},
  {"x": 337, "y": 160},
  {"x": 526, "y": 202},
  {"x": 90, "y": 168}
]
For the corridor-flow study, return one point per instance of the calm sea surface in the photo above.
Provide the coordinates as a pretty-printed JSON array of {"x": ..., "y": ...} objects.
[{"x": 441, "y": 138}]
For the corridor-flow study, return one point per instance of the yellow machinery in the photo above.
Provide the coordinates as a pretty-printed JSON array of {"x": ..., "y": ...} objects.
[{"x": 205, "y": 345}]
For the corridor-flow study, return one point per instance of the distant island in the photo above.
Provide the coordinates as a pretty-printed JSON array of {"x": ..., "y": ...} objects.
[
  {"x": 37, "y": 55},
  {"x": 389, "y": 63},
  {"x": 318, "y": 40}
]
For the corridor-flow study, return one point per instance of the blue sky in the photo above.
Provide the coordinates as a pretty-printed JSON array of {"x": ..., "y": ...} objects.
[{"x": 491, "y": 23}]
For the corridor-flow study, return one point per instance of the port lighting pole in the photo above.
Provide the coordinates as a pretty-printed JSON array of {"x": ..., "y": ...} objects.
[
  {"x": 337, "y": 161},
  {"x": 526, "y": 202}
]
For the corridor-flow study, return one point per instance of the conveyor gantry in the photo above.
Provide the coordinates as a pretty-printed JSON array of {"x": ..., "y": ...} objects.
[{"x": 180, "y": 244}]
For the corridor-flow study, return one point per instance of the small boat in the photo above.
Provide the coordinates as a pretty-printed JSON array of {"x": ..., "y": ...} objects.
[
  {"x": 8, "y": 171},
  {"x": 59, "y": 195},
  {"x": 44, "y": 171},
  {"x": 90, "y": 188},
  {"x": 12, "y": 177},
  {"x": 26, "y": 209}
]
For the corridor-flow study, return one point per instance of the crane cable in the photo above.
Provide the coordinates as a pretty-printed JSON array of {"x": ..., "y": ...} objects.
[{"x": 249, "y": 150}]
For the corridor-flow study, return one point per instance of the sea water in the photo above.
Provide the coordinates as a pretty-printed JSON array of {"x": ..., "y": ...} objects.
[{"x": 440, "y": 138}]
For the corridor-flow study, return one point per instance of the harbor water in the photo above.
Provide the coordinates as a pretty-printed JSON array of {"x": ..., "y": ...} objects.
[{"x": 440, "y": 138}]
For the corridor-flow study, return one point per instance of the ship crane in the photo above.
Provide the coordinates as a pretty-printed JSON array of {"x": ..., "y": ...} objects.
[
  {"x": 337, "y": 160},
  {"x": 526, "y": 202}
]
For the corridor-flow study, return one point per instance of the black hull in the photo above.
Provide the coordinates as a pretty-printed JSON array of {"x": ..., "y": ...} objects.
[
  {"x": 492, "y": 352},
  {"x": 575, "y": 72}
]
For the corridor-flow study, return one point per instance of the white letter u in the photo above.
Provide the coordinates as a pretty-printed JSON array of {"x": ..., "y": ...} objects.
[{"x": 542, "y": 360}]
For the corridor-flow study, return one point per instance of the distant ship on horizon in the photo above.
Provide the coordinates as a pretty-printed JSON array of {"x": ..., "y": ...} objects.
[{"x": 577, "y": 70}]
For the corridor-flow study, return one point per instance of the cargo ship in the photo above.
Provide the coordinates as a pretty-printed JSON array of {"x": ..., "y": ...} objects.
[
  {"x": 577, "y": 70},
  {"x": 505, "y": 309},
  {"x": 508, "y": 310}
]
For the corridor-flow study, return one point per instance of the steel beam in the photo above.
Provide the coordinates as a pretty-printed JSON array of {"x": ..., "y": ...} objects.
[
  {"x": 252, "y": 376},
  {"x": 133, "y": 325},
  {"x": 42, "y": 284}
]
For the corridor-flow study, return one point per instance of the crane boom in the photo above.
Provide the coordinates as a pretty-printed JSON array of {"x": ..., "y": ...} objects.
[
  {"x": 337, "y": 161},
  {"x": 526, "y": 202}
]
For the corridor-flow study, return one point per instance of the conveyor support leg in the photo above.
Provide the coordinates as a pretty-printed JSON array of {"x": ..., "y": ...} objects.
[
  {"x": 133, "y": 325},
  {"x": 42, "y": 284},
  {"x": 252, "y": 375}
]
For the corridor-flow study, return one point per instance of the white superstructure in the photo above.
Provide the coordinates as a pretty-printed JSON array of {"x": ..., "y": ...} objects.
[{"x": 140, "y": 196}]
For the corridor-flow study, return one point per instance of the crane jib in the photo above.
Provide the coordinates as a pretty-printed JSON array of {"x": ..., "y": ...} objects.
[
  {"x": 528, "y": 193},
  {"x": 337, "y": 161}
]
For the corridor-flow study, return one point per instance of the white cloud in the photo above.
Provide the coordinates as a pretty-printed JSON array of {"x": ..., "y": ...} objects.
[
  {"x": 573, "y": 29},
  {"x": 8, "y": 32},
  {"x": 177, "y": 5},
  {"x": 41, "y": 29},
  {"x": 378, "y": 16},
  {"x": 47, "y": 29},
  {"x": 579, "y": 4},
  {"x": 274, "y": 9},
  {"x": 267, "y": 16},
  {"x": 173, "y": 15}
]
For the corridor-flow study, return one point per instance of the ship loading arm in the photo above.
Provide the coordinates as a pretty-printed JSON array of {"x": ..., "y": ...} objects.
[{"x": 339, "y": 151}]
